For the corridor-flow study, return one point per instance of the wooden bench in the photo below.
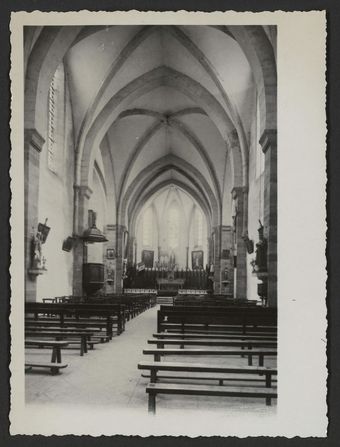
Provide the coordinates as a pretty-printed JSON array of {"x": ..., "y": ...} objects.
[
  {"x": 216, "y": 328},
  {"x": 208, "y": 336},
  {"x": 160, "y": 352},
  {"x": 77, "y": 311},
  {"x": 215, "y": 316},
  {"x": 97, "y": 333},
  {"x": 82, "y": 335},
  {"x": 154, "y": 367},
  {"x": 95, "y": 325},
  {"x": 206, "y": 390},
  {"x": 55, "y": 363},
  {"x": 54, "y": 367},
  {"x": 250, "y": 344}
]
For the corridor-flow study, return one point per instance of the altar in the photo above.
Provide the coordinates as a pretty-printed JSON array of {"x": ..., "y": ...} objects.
[{"x": 170, "y": 283}]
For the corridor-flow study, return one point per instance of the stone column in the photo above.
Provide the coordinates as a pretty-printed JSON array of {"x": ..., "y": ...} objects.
[
  {"x": 227, "y": 259},
  {"x": 240, "y": 196},
  {"x": 82, "y": 195},
  {"x": 33, "y": 144},
  {"x": 110, "y": 264},
  {"x": 119, "y": 258},
  {"x": 216, "y": 242},
  {"x": 268, "y": 142}
]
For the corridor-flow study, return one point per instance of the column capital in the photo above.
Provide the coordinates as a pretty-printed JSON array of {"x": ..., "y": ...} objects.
[
  {"x": 34, "y": 139},
  {"x": 238, "y": 190},
  {"x": 268, "y": 139},
  {"x": 83, "y": 190}
]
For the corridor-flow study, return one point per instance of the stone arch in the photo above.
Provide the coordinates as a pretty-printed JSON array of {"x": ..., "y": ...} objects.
[
  {"x": 257, "y": 48},
  {"x": 47, "y": 53},
  {"x": 188, "y": 134},
  {"x": 135, "y": 198},
  {"x": 157, "y": 168},
  {"x": 159, "y": 187}
]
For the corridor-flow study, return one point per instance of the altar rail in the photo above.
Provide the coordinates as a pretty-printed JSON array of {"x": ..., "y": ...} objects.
[{"x": 140, "y": 291}]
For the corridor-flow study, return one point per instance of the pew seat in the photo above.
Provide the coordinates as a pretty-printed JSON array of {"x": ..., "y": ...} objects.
[
  {"x": 155, "y": 367},
  {"x": 260, "y": 353},
  {"x": 54, "y": 367},
  {"x": 207, "y": 390},
  {"x": 208, "y": 336}
]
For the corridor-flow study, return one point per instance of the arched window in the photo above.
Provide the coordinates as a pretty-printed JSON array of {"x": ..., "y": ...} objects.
[
  {"x": 147, "y": 227},
  {"x": 173, "y": 227},
  {"x": 55, "y": 116}
]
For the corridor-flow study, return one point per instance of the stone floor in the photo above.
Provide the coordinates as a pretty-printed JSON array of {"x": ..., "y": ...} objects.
[{"x": 108, "y": 376}]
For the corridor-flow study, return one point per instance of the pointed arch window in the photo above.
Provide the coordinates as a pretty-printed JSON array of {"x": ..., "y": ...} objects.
[
  {"x": 55, "y": 116},
  {"x": 173, "y": 226}
]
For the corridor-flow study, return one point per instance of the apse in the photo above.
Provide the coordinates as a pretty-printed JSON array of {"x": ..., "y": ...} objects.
[{"x": 171, "y": 231}]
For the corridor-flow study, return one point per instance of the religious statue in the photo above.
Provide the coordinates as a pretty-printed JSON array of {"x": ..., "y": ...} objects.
[
  {"x": 261, "y": 251},
  {"x": 36, "y": 253}
]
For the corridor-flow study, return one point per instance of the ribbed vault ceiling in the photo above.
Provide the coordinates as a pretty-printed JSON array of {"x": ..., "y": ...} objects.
[{"x": 156, "y": 94}]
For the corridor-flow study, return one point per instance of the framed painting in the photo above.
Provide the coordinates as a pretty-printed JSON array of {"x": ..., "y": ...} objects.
[
  {"x": 197, "y": 259},
  {"x": 147, "y": 258}
]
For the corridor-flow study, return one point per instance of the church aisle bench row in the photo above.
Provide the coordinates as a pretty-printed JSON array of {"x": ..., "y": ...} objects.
[
  {"x": 207, "y": 390},
  {"x": 215, "y": 328},
  {"x": 77, "y": 311},
  {"x": 83, "y": 336},
  {"x": 239, "y": 336},
  {"x": 260, "y": 353},
  {"x": 250, "y": 344},
  {"x": 154, "y": 367},
  {"x": 97, "y": 333}
]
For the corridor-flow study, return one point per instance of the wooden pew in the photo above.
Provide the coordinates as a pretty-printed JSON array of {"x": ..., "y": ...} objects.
[
  {"x": 77, "y": 311},
  {"x": 261, "y": 353},
  {"x": 155, "y": 367},
  {"x": 250, "y": 343},
  {"x": 97, "y": 332},
  {"x": 210, "y": 317},
  {"x": 231, "y": 336},
  {"x": 83, "y": 336},
  {"x": 56, "y": 362},
  {"x": 206, "y": 390}
]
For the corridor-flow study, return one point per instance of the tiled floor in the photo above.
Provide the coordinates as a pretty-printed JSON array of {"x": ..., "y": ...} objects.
[{"x": 108, "y": 376}]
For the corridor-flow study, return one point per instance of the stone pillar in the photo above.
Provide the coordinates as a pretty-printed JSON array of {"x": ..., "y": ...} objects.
[
  {"x": 120, "y": 229},
  {"x": 82, "y": 195},
  {"x": 216, "y": 242},
  {"x": 240, "y": 196},
  {"x": 110, "y": 263},
  {"x": 227, "y": 260},
  {"x": 268, "y": 142},
  {"x": 33, "y": 144}
]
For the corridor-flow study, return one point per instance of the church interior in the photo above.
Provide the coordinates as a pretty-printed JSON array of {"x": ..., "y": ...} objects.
[{"x": 151, "y": 216}]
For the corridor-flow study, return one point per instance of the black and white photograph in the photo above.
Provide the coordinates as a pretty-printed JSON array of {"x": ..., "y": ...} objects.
[{"x": 155, "y": 142}]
